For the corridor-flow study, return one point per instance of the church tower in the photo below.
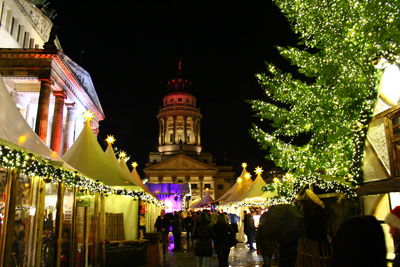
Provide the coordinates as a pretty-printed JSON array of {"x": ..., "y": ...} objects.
[
  {"x": 179, "y": 119},
  {"x": 180, "y": 172}
]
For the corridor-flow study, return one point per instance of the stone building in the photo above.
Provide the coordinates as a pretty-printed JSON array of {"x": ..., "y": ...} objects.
[
  {"x": 51, "y": 90},
  {"x": 180, "y": 159}
]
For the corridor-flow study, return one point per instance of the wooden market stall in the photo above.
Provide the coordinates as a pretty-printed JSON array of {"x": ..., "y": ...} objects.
[{"x": 38, "y": 192}]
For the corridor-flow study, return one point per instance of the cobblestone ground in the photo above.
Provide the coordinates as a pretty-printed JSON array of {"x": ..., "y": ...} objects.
[{"x": 240, "y": 256}]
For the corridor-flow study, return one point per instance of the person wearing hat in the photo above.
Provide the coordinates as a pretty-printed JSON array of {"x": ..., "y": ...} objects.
[{"x": 393, "y": 220}]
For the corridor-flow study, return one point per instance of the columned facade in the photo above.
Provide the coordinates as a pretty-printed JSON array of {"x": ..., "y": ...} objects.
[
  {"x": 52, "y": 92},
  {"x": 57, "y": 126},
  {"x": 42, "y": 117}
]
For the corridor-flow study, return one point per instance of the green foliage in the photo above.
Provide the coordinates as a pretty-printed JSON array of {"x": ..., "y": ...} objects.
[{"x": 334, "y": 103}]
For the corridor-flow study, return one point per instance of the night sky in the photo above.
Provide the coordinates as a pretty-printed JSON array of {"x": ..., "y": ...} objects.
[{"x": 132, "y": 51}]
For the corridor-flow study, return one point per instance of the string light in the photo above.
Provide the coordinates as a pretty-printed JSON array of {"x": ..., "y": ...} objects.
[
  {"x": 332, "y": 103},
  {"x": 34, "y": 165}
]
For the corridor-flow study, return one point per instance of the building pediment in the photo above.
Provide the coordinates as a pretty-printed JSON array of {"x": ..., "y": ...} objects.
[{"x": 179, "y": 163}]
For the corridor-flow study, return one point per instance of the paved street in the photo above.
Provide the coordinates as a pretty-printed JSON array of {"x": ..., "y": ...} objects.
[{"x": 240, "y": 256}]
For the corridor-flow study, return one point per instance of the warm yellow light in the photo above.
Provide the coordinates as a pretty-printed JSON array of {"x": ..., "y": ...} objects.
[
  {"x": 239, "y": 180},
  {"x": 134, "y": 164},
  {"x": 122, "y": 154},
  {"x": 247, "y": 175},
  {"x": 244, "y": 165},
  {"x": 258, "y": 170},
  {"x": 88, "y": 115},
  {"x": 22, "y": 139},
  {"x": 110, "y": 139}
]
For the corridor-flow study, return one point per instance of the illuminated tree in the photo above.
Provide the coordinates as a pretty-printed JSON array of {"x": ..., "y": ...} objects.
[{"x": 332, "y": 102}]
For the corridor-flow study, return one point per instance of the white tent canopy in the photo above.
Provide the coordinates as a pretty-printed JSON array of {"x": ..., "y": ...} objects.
[
  {"x": 255, "y": 193},
  {"x": 16, "y": 130},
  {"x": 206, "y": 199},
  {"x": 87, "y": 156},
  {"x": 127, "y": 176},
  {"x": 233, "y": 189}
]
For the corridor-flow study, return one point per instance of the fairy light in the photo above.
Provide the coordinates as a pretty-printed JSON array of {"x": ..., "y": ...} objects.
[
  {"x": 244, "y": 165},
  {"x": 333, "y": 108},
  {"x": 134, "y": 164},
  {"x": 36, "y": 166}
]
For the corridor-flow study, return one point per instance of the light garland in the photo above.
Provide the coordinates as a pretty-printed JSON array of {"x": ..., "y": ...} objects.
[
  {"x": 333, "y": 105},
  {"x": 32, "y": 165}
]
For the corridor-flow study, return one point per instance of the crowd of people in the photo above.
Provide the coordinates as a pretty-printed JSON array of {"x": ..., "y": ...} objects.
[
  {"x": 205, "y": 230},
  {"x": 210, "y": 231}
]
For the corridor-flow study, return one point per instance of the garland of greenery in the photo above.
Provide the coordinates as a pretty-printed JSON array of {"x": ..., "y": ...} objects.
[{"x": 32, "y": 165}]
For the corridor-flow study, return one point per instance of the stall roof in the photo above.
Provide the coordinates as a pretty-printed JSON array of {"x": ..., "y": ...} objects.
[
  {"x": 256, "y": 190},
  {"x": 87, "y": 156},
  {"x": 233, "y": 189},
  {"x": 16, "y": 130},
  {"x": 206, "y": 199}
]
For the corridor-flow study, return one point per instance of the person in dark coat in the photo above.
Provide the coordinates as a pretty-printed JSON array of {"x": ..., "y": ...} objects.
[
  {"x": 251, "y": 230},
  {"x": 202, "y": 235},
  {"x": 245, "y": 219},
  {"x": 177, "y": 230},
  {"x": 359, "y": 242},
  {"x": 162, "y": 225},
  {"x": 188, "y": 226},
  {"x": 222, "y": 231},
  {"x": 278, "y": 231}
]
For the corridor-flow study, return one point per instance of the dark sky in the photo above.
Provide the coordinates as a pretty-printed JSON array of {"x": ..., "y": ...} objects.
[{"x": 131, "y": 51}]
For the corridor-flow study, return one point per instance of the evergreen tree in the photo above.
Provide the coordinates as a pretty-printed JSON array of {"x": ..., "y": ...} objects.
[{"x": 333, "y": 100}]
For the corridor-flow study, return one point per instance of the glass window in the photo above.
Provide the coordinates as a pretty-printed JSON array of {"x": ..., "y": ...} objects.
[
  {"x": 207, "y": 186},
  {"x": 193, "y": 186}
]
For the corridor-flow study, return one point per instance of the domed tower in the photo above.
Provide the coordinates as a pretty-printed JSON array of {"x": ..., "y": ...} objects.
[{"x": 179, "y": 119}]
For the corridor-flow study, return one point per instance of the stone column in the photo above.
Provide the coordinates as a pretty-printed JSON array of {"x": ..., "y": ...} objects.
[
  {"x": 160, "y": 130},
  {"x": 42, "y": 117},
  {"x": 174, "y": 134},
  {"x": 201, "y": 178},
  {"x": 198, "y": 132},
  {"x": 57, "y": 126},
  {"x": 185, "y": 141},
  {"x": 69, "y": 127}
]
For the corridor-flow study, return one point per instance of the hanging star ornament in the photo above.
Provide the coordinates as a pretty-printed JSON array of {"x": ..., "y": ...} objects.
[{"x": 134, "y": 164}]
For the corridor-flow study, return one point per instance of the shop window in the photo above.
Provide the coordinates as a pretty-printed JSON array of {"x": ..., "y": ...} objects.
[
  {"x": 180, "y": 181},
  {"x": 207, "y": 186},
  {"x": 193, "y": 186}
]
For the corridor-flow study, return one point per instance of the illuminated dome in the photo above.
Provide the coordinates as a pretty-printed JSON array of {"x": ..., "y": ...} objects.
[{"x": 179, "y": 118}]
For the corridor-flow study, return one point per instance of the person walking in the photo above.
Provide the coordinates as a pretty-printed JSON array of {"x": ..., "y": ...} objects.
[
  {"x": 177, "y": 230},
  {"x": 202, "y": 235},
  {"x": 245, "y": 219},
  {"x": 223, "y": 231},
  {"x": 162, "y": 225},
  {"x": 251, "y": 230}
]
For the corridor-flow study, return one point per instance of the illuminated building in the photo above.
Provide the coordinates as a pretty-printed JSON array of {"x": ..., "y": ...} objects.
[
  {"x": 51, "y": 90},
  {"x": 180, "y": 159}
]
